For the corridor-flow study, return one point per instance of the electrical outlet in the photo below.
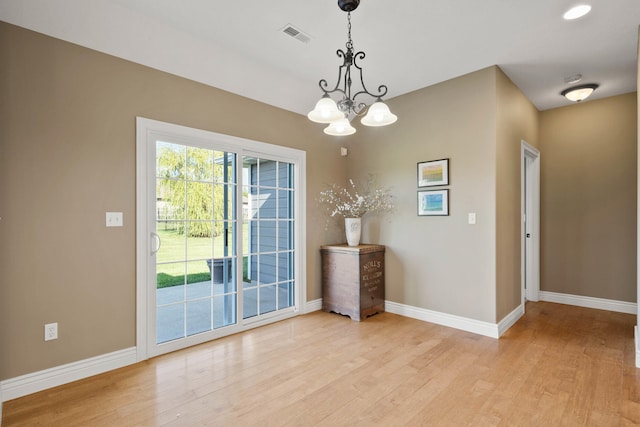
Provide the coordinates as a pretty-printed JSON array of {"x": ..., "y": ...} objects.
[{"x": 51, "y": 331}]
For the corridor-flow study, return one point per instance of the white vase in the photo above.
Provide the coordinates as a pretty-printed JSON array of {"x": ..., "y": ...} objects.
[{"x": 352, "y": 227}]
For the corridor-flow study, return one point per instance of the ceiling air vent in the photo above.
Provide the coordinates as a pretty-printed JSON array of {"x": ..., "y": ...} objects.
[{"x": 292, "y": 31}]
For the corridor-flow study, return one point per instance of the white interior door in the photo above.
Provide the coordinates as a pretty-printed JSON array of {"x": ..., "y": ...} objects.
[{"x": 530, "y": 222}]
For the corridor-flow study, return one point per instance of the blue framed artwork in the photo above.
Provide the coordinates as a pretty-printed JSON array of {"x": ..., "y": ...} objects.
[{"x": 433, "y": 203}]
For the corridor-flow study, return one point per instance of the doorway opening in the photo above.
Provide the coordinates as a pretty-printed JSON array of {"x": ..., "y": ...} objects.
[{"x": 530, "y": 209}]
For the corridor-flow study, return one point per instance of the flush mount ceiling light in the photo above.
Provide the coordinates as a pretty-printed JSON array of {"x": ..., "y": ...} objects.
[
  {"x": 579, "y": 93},
  {"x": 337, "y": 113},
  {"x": 577, "y": 12}
]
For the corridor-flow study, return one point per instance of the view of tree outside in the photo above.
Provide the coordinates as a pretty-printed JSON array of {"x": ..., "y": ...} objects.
[{"x": 191, "y": 186}]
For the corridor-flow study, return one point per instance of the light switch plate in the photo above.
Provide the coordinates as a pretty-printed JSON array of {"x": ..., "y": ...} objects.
[
  {"x": 472, "y": 218},
  {"x": 114, "y": 219}
]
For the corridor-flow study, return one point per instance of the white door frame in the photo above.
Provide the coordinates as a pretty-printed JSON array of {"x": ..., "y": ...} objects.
[
  {"x": 530, "y": 265},
  {"x": 146, "y": 129}
]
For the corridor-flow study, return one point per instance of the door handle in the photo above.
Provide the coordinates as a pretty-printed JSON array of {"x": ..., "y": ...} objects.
[
  {"x": 528, "y": 235},
  {"x": 156, "y": 237}
]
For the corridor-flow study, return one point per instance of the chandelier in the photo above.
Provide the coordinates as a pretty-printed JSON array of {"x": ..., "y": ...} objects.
[{"x": 337, "y": 114}]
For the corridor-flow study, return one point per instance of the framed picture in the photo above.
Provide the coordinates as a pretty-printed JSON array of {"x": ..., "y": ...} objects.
[
  {"x": 433, "y": 203},
  {"x": 432, "y": 173}
]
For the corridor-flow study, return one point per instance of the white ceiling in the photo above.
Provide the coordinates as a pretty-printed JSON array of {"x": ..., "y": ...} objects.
[{"x": 239, "y": 46}]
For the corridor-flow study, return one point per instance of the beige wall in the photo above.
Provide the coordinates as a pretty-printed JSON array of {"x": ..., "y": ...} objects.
[
  {"x": 437, "y": 263},
  {"x": 67, "y": 155},
  {"x": 588, "y": 198},
  {"x": 517, "y": 120}
]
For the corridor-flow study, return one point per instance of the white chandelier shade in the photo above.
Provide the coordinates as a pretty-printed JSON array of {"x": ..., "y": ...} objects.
[
  {"x": 379, "y": 115},
  {"x": 326, "y": 111},
  {"x": 340, "y": 127}
]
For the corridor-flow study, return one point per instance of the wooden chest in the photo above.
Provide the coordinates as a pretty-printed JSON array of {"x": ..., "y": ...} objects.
[{"x": 353, "y": 280}]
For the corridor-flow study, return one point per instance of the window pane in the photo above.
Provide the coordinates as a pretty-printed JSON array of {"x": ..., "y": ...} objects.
[
  {"x": 267, "y": 203},
  {"x": 285, "y": 295},
  {"x": 268, "y": 171},
  {"x": 199, "y": 164},
  {"x": 170, "y": 276},
  {"x": 254, "y": 203},
  {"x": 250, "y": 170},
  {"x": 199, "y": 314},
  {"x": 199, "y": 200},
  {"x": 224, "y": 311},
  {"x": 224, "y": 243},
  {"x": 267, "y": 299},
  {"x": 267, "y": 236},
  {"x": 267, "y": 268},
  {"x": 170, "y": 199},
  {"x": 172, "y": 242},
  {"x": 170, "y": 160},
  {"x": 253, "y": 236},
  {"x": 250, "y": 303},
  {"x": 199, "y": 240},
  {"x": 198, "y": 280},
  {"x": 170, "y": 322},
  {"x": 285, "y": 175},
  {"x": 285, "y": 238},
  {"x": 285, "y": 266},
  {"x": 224, "y": 202},
  {"x": 224, "y": 169},
  {"x": 246, "y": 201},
  {"x": 224, "y": 274},
  {"x": 245, "y": 238},
  {"x": 285, "y": 204}
]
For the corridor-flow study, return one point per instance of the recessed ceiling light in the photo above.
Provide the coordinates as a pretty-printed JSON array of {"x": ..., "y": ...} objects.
[{"x": 577, "y": 12}]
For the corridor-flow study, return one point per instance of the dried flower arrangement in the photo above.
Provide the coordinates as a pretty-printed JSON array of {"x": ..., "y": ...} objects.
[{"x": 352, "y": 202}]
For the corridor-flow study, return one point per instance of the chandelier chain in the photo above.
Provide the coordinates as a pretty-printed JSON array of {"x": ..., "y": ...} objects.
[{"x": 349, "y": 42}]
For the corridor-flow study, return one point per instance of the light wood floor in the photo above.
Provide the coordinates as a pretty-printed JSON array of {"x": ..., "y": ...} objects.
[{"x": 559, "y": 365}]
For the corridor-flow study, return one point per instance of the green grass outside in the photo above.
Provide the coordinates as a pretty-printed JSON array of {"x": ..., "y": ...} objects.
[{"x": 174, "y": 253}]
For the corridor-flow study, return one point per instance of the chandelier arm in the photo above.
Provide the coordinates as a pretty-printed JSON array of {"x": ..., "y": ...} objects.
[
  {"x": 324, "y": 84},
  {"x": 382, "y": 89}
]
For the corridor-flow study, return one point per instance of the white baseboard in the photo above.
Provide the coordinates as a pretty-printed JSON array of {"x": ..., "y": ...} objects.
[
  {"x": 590, "y": 302},
  {"x": 637, "y": 340},
  {"x": 510, "y": 319},
  {"x": 14, "y": 388},
  {"x": 315, "y": 305},
  {"x": 53, "y": 377},
  {"x": 470, "y": 325}
]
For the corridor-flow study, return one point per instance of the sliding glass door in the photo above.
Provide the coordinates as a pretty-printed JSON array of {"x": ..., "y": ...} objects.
[
  {"x": 268, "y": 285},
  {"x": 195, "y": 228},
  {"x": 222, "y": 237}
]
